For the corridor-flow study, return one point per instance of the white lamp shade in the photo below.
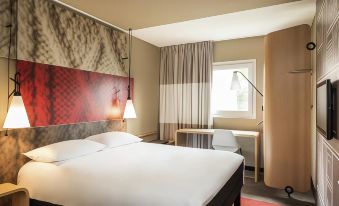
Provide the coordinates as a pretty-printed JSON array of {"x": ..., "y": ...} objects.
[
  {"x": 129, "y": 110},
  {"x": 17, "y": 115},
  {"x": 235, "y": 84}
]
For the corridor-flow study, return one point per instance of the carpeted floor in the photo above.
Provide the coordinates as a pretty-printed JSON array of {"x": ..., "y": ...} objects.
[
  {"x": 251, "y": 202},
  {"x": 258, "y": 191}
]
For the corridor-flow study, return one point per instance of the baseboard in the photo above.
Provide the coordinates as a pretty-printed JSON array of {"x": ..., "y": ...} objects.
[{"x": 251, "y": 168}]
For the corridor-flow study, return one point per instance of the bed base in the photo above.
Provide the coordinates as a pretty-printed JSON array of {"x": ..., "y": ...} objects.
[
  {"x": 231, "y": 192},
  {"x": 228, "y": 195}
]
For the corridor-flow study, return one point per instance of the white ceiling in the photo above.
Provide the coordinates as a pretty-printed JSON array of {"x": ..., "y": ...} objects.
[
  {"x": 249, "y": 23},
  {"x": 138, "y": 14}
]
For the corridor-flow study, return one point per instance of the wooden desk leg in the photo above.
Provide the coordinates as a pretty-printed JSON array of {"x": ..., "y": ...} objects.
[
  {"x": 179, "y": 139},
  {"x": 256, "y": 162}
]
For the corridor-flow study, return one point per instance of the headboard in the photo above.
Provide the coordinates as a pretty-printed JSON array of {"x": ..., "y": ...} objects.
[
  {"x": 23, "y": 140},
  {"x": 71, "y": 81}
]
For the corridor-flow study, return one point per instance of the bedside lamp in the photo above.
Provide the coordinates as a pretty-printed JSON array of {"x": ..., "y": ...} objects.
[
  {"x": 16, "y": 115},
  {"x": 129, "y": 108}
]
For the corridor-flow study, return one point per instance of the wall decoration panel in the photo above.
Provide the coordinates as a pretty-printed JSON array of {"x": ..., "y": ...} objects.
[
  {"x": 52, "y": 34},
  {"x": 327, "y": 57},
  {"x": 4, "y": 31},
  {"x": 56, "y": 95}
]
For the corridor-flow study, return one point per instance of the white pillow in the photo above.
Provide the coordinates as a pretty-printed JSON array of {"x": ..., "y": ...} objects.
[
  {"x": 114, "y": 139},
  {"x": 64, "y": 150}
]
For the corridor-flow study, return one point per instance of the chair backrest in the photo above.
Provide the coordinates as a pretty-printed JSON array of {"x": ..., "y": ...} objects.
[{"x": 224, "y": 138}]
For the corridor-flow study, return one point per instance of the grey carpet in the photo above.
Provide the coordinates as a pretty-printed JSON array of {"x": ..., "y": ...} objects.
[{"x": 259, "y": 191}]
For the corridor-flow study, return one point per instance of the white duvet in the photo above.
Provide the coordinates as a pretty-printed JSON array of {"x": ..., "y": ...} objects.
[{"x": 135, "y": 174}]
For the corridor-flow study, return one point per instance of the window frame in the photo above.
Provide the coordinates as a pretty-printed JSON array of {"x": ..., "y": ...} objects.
[{"x": 251, "y": 114}]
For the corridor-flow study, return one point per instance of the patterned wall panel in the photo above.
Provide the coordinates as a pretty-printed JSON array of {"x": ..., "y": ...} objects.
[
  {"x": 4, "y": 31},
  {"x": 327, "y": 26},
  {"x": 57, "y": 95},
  {"x": 52, "y": 34},
  {"x": 327, "y": 30}
]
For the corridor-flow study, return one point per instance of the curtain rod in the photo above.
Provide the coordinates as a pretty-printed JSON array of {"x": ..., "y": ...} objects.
[{"x": 66, "y": 6}]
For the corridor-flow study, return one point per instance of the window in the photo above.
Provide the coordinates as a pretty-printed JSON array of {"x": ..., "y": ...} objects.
[{"x": 233, "y": 103}]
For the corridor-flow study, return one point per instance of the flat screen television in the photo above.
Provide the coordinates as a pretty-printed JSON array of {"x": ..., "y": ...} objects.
[{"x": 325, "y": 109}]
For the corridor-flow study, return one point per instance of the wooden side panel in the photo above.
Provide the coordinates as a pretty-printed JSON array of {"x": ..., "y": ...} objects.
[{"x": 287, "y": 109}]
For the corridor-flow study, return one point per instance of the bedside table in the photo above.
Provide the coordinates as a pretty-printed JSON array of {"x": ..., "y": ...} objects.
[
  {"x": 20, "y": 196},
  {"x": 158, "y": 141}
]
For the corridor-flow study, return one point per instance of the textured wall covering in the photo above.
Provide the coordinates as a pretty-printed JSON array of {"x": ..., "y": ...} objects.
[
  {"x": 327, "y": 67},
  {"x": 4, "y": 32},
  {"x": 24, "y": 140},
  {"x": 52, "y": 34},
  {"x": 57, "y": 95},
  {"x": 49, "y": 34}
]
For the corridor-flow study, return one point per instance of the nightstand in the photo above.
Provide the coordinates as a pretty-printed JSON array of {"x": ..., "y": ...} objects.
[
  {"x": 158, "y": 141},
  {"x": 20, "y": 196}
]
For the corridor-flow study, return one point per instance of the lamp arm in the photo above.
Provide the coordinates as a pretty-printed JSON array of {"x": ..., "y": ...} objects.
[
  {"x": 250, "y": 83},
  {"x": 16, "y": 90}
]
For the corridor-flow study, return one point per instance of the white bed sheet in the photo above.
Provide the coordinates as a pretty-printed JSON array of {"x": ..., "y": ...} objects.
[{"x": 135, "y": 174}]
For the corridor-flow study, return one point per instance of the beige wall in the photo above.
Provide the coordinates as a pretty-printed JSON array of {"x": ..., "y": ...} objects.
[
  {"x": 145, "y": 70},
  {"x": 242, "y": 49}
]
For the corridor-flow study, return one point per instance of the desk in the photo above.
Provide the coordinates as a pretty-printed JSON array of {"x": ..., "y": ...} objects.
[{"x": 237, "y": 133}]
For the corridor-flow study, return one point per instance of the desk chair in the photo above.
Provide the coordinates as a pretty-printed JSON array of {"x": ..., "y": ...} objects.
[{"x": 225, "y": 140}]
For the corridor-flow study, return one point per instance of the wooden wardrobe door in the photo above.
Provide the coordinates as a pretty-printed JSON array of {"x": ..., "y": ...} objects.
[{"x": 287, "y": 109}]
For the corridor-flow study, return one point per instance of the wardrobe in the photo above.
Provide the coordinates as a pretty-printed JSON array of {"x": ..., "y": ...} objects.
[{"x": 287, "y": 109}]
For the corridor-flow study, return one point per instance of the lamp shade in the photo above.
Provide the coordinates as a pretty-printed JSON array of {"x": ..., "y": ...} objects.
[
  {"x": 129, "y": 110},
  {"x": 235, "y": 84},
  {"x": 17, "y": 115}
]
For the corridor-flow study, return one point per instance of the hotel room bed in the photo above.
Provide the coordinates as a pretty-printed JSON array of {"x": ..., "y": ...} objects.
[{"x": 137, "y": 174}]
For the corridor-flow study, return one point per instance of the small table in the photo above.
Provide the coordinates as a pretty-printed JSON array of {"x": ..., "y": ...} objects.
[
  {"x": 236, "y": 133},
  {"x": 158, "y": 141},
  {"x": 20, "y": 194}
]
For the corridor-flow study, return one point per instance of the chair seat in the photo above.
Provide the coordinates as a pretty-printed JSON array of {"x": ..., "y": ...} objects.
[{"x": 224, "y": 148}]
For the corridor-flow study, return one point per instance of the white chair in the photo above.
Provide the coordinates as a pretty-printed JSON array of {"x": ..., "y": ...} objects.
[{"x": 225, "y": 140}]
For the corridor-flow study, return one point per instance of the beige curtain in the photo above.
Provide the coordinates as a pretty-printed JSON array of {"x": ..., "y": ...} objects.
[{"x": 185, "y": 89}]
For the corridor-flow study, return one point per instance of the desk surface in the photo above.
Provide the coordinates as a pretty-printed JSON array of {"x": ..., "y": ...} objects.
[{"x": 241, "y": 133}]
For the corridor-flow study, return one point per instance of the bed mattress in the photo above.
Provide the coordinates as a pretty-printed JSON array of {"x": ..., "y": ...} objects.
[{"x": 135, "y": 174}]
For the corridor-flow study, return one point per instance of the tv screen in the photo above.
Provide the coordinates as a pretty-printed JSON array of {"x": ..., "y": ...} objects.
[{"x": 325, "y": 108}]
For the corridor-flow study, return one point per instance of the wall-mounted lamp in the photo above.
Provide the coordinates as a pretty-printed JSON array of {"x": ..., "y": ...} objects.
[
  {"x": 235, "y": 84},
  {"x": 116, "y": 111},
  {"x": 129, "y": 108},
  {"x": 16, "y": 115}
]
